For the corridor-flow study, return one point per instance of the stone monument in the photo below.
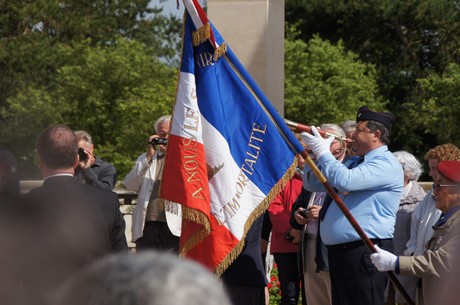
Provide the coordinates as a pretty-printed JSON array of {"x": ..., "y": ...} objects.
[{"x": 254, "y": 30}]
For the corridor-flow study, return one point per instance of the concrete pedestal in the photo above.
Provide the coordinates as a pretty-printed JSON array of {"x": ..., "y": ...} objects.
[{"x": 254, "y": 30}]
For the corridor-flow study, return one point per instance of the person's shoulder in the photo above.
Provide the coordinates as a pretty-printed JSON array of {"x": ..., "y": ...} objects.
[
  {"x": 142, "y": 156},
  {"x": 103, "y": 164},
  {"x": 418, "y": 191},
  {"x": 454, "y": 224},
  {"x": 33, "y": 192},
  {"x": 427, "y": 202},
  {"x": 101, "y": 197},
  {"x": 456, "y": 215},
  {"x": 93, "y": 191},
  {"x": 382, "y": 155},
  {"x": 100, "y": 162}
]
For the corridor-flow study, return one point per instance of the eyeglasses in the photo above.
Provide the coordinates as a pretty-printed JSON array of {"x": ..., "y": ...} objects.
[
  {"x": 438, "y": 186},
  {"x": 362, "y": 130}
]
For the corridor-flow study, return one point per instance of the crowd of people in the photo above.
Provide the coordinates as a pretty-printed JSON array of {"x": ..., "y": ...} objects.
[
  {"x": 413, "y": 232},
  {"x": 64, "y": 242}
]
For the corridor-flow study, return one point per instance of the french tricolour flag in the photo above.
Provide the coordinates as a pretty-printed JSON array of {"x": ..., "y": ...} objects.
[{"x": 229, "y": 151}]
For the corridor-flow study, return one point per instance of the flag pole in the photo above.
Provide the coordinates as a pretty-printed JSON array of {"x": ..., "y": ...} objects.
[{"x": 346, "y": 212}]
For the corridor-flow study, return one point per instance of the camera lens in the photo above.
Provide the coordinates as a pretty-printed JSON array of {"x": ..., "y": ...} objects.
[
  {"x": 158, "y": 141},
  {"x": 303, "y": 213},
  {"x": 82, "y": 155}
]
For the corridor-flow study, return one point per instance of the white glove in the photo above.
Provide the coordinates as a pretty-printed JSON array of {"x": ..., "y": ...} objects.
[
  {"x": 383, "y": 260},
  {"x": 316, "y": 143}
]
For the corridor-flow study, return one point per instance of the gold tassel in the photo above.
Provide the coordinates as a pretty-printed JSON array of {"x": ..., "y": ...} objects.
[
  {"x": 197, "y": 237},
  {"x": 220, "y": 51},
  {"x": 201, "y": 35},
  {"x": 228, "y": 260},
  {"x": 198, "y": 217}
]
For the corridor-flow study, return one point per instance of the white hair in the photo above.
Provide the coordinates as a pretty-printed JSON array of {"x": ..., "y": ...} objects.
[
  {"x": 161, "y": 120},
  {"x": 349, "y": 126},
  {"x": 336, "y": 129},
  {"x": 411, "y": 166},
  {"x": 146, "y": 278},
  {"x": 83, "y": 135}
]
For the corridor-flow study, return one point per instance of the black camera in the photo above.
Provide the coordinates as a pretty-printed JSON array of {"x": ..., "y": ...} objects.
[
  {"x": 158, "y": 141},
  {"x": 82, "y": 155},
  {"x": 288, "y": 236},
  {"x": 303, "y": 213}
]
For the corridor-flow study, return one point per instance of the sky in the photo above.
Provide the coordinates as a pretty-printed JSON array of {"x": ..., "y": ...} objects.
[{"x": 170, "y": 7}]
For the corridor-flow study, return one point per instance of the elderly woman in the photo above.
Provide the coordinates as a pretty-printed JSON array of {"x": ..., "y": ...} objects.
[{"x": 411, "y": 197}]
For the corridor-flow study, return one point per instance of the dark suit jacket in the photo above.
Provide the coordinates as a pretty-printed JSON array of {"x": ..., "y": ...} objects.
[
  {"x": 101, "y": 174},
  {"x": 65, "y": 226}
]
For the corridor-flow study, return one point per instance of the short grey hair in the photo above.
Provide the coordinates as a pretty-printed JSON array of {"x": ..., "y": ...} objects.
[
  {"x": 83, "y": 135},
  {"x": 161, "y": 120},
  {"x": 349, "y": 126},
  {"x": 411, "y": 166},
  {"x": 336, "y": 129},
  {"x": 145, "y": 278}
]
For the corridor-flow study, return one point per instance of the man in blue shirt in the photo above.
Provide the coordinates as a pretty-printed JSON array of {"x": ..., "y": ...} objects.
[{"x": 370, "y": 185}]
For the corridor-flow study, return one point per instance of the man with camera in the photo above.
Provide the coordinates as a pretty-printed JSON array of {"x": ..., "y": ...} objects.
[
  {"x": 91, "y": 169},
  {"x": 152, "y": 226}
]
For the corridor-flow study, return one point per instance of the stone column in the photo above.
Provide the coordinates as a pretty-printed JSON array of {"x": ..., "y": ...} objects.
[{"x": 254, "y": 30}]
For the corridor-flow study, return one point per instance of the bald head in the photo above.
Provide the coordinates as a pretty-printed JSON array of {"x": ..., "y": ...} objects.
[{"x": 57, "y": 147}]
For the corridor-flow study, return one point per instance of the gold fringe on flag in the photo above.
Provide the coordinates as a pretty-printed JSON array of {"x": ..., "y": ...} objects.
[
  {"x": 220, "y": 51},
  {"x": 201, "y": 35},
  {"x": 228, "y": 260},
  {"x": 204, "y": 33},
  {"x": 198, "y": 217}
]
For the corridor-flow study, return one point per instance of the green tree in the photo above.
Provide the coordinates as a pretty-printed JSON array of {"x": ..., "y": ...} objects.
[
  {"x": 407, "y": 41},
  {"x": 35, "y": 35},
  {"x": 326, "y": 84},
  {"x": 402, "y": 38},
  {"x": 115, "y": 93},
  {"x": 33, "y": 32},
  {"x": 163, "y": 34},
  {"x": 434, "y": 112},
  {"x": 86, "y": 64}
]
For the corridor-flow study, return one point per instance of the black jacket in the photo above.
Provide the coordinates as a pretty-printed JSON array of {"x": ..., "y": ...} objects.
[
  {"x": 65, "y": 226},
  {"x": 101, "y": 174},
  {"x": 321, "y": 250}
]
